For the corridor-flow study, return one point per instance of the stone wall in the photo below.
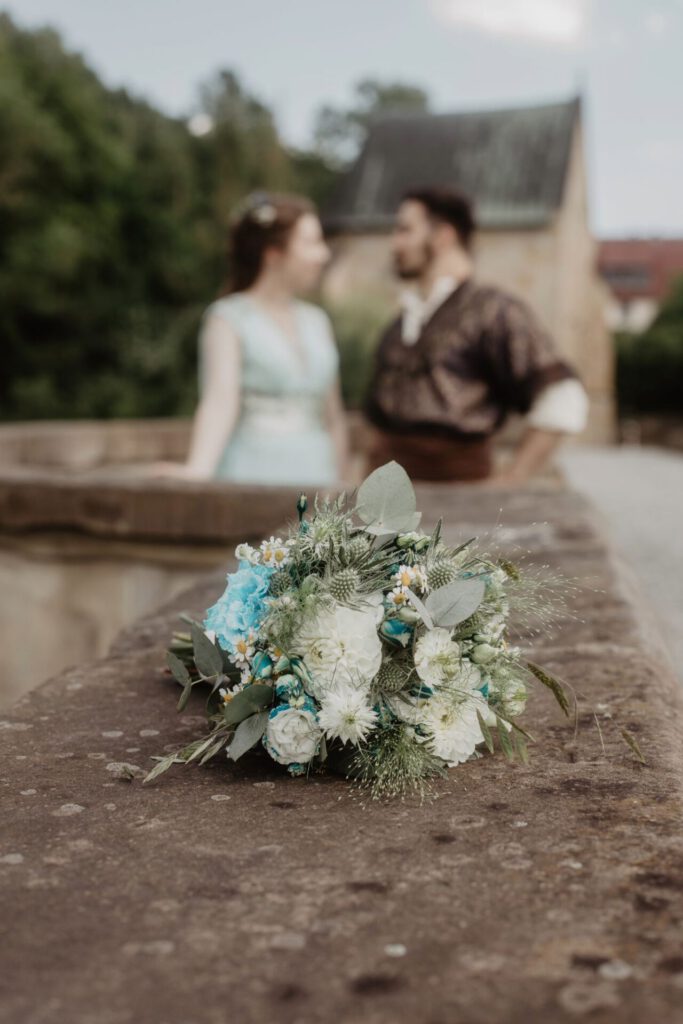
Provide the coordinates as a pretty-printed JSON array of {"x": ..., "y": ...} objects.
[{"x": 548, "y": 893}]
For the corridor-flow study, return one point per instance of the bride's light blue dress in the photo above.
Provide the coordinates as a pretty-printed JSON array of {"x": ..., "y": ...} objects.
[{"x": 280, "y": 436}]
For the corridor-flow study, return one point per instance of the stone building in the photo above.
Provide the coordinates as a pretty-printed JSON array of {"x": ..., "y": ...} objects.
[{"x": 525, "y": 169}]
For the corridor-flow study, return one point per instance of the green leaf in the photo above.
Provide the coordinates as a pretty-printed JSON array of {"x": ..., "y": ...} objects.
[
  {"x": 178, "y": 670},
  {"x": 199, "y": 748},
  {"x": 386, "y": 501},
  {"x": 208, "y": 658},
  {"x": 504, "y": 739},
  {"x": 213, "y": 750},
  {"x": 455, "y": 602},
  {"x": 249, "y": 700},
  {"x": 421, "y": 609},
  {"x": 184, "y": 697},
  {"x": 189, "y": 621},
  {"x": 552, "y": 684},
  {"x": 163, "y": 764},
  {"x": 520, "y": 746},
  {"x": 247, "y": 734},
  {"x": 485, "y": 731},
  {"x": 632, "y": 742}
]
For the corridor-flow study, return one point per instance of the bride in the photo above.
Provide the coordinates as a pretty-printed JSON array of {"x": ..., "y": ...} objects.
[{"x": 270, "y": 410}]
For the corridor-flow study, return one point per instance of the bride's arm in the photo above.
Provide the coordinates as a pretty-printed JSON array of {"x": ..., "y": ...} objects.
[
  {"x": 218, "y": 408},
  {"x": 338, "y": 428}
]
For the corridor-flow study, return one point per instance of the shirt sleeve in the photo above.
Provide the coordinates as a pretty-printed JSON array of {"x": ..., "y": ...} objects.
[
  {"x": 522, "y": 358},
  {"x": 561, "y": 407}
]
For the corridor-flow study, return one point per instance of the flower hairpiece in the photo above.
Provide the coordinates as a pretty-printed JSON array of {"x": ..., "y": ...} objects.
[{"x": 257, "y": 207}]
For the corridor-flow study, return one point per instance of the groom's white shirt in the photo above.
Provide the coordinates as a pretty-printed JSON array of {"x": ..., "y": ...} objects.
[{"x": 561, "y": 407}]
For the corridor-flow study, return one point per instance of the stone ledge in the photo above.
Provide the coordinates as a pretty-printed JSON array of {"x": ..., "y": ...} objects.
[{"x": 543, "y": 893}]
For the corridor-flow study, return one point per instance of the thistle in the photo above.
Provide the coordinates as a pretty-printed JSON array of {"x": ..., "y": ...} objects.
[
  {"x": 280, "y": 582},
  {"x": 391, "y": 678},
  {"x": 440, "y": 573},
  {"x": 344, "y": 584}
]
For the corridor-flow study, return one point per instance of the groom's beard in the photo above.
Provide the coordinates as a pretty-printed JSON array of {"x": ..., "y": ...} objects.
[{"x": 416, "y": 268}]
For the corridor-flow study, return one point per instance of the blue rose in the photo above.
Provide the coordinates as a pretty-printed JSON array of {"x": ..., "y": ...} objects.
[{"x": 242, "y": 606}]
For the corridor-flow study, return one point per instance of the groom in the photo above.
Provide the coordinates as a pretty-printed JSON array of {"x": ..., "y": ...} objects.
[{"x": 461, "y": 356}]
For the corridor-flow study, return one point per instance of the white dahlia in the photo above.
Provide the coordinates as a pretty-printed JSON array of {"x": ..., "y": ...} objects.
[
  {"x": 452, "y": 725},
  {"x": 340, "y": 645},
  {"x": 346, "y": 715},
  {"x": 437, "y": 657}
]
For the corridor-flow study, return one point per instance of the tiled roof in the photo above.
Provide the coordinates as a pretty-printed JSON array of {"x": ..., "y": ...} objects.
[
  {"x": 641, "y": 267},
  {"x": 512, "y": 162}
]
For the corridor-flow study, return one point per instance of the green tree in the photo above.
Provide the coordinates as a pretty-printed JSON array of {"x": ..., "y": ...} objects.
[
  {"x": 650, "y": 365},
  {"x": 113, "y": 222},
  {"x": 339, "y": 132}
]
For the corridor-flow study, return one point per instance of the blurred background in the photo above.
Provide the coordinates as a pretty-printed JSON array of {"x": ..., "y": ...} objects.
[{"x": 128, "y": 132}]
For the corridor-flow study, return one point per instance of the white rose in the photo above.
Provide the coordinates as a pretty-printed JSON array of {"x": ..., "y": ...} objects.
[{"x": 292, "y": 735}]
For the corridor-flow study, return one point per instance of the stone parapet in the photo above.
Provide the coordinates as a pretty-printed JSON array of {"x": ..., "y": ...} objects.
[{"x": 549, "y": 892}]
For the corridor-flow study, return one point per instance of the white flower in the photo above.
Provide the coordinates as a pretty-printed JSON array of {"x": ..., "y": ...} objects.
[
  {"x": 245, "y": 553},
  {"x": 292, "y": 735},
  {"x": 210, "y": 634},
  {"x": 346, "y": 715},
  {"x": 275, "y": 552},
  {"x": 397, "y": 598},
  {"x": 341, "y": 645},
  {"x": 452, "y": 724},
  {"x": 244, "y": 649},
  {"x": 468, "y": 678},
  {"x": 437, "y": 657},
  {"x": 410, "y": 577}
]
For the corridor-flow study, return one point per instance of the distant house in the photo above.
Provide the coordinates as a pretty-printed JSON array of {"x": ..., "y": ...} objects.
[
  {"x": 525, "y": 170},
  {"x": 638, "y": 273}
]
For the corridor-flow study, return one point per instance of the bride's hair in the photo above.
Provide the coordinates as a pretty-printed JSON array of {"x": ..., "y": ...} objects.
[{"x": 261, "y": 221}]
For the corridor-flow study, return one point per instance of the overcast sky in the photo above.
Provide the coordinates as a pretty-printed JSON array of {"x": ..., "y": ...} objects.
[{"x": 624, "y": 56}]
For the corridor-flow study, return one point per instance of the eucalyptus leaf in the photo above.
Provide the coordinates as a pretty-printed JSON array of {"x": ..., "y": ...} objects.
[
  {"x": 180, "y": 673},
  {"x": 455, "y": 602},
  {"x": 253, "y": 698},
  {"x": 247, "y": 734},
  {"x": 420, "y": 608},
  {"x": 208, "y": 658},
  {"x": 386, "y": 501}
]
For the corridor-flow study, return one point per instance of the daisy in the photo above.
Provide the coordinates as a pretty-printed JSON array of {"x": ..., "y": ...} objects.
[
  {"x": 275, "y": 552},
  {"x": 246, "y": 553},
  {"x": 410, "y": 577},
  {"x": 243, "y": 649}
]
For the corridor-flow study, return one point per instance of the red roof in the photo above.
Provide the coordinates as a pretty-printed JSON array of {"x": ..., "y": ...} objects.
[{"x": 641, "y": 267}]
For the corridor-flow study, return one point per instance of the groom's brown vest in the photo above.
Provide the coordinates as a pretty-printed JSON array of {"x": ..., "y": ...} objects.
[{"x": 436, "y": 404}]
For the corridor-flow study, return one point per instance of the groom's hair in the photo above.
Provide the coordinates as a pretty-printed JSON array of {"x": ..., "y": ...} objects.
[{"x": 447, "y": 204}]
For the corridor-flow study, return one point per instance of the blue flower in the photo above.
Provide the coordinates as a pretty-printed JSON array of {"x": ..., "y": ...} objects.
[
  {"x": 242, "y": 606},
  {"x": 396, "y": 631}
]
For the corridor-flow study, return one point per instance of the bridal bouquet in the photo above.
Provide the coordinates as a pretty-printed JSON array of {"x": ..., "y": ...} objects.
[{"x": 362, "y": 644}]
